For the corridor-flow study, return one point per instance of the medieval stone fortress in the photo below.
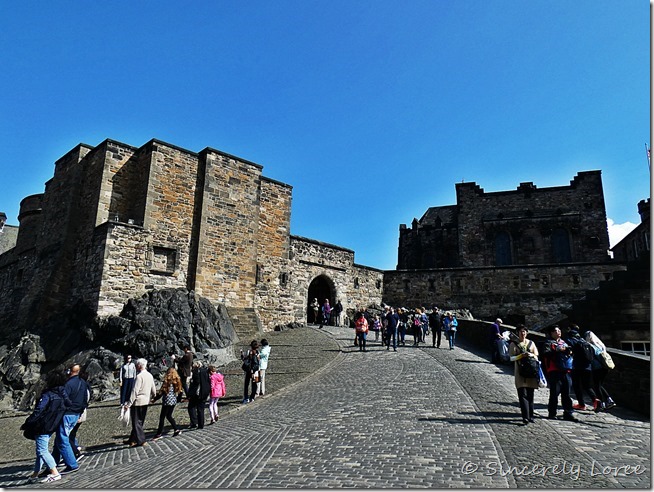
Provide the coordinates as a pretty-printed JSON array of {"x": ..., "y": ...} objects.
[{"x": 117, "y": 221}]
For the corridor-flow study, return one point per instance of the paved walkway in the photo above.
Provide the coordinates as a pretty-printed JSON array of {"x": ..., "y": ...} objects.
[{"x": 417, "y": 418}]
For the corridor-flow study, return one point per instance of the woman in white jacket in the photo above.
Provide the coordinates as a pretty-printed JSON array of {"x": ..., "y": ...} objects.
[{"x": 264, "y": 353}]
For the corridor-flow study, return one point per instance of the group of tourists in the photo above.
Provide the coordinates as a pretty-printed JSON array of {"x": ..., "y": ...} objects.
[
  {"x": 576, "y": 362},
  {"x": 61, "y": 408},
  {"x": 325, "y": 314},
  {"x": 255, "y": 364},
  {"x": 395, "y": 323}
]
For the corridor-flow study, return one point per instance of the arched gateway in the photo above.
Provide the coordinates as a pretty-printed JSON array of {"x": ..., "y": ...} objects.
[{"x": 321, "y": 287}]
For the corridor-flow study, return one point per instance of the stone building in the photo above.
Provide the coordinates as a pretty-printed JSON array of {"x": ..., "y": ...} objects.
[
  {"x": 522, "y": 254},
  {"x": 635, "y": 244},
  {"x": 116, "y": 221}
]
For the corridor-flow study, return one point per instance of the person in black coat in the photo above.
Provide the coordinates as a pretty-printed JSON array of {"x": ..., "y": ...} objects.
[{"x": 198, "y": 393}]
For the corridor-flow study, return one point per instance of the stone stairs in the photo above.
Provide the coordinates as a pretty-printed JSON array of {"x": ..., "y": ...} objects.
[{"x": 246, "y": 324}]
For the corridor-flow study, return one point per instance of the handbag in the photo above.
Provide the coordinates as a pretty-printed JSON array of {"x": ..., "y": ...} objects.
[
  {"x": 607, "y": 360},
  {"x": 528, "y": 366}
]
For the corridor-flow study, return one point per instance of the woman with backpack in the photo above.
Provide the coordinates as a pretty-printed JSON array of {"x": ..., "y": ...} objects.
[
  {"x": 519, "y": 349},
  {"x": 44, "y": 421},
  {"x": 600, "y": 371},
  {"x": 582, "y": 376}
]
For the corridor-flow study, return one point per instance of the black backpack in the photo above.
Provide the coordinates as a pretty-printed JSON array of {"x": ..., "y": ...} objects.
[
  {"x": 48, "y": 420},
  {"x": 586, "y": 352}
]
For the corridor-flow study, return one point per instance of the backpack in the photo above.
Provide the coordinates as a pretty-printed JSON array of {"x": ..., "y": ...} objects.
[
  {"x": 417, "y": 322},
  {"x": 586, "y": 352},
  {"x": 48, "y": 420}
]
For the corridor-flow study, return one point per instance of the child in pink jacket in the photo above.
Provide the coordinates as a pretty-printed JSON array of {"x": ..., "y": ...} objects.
[{"x": 217, "y": 392}]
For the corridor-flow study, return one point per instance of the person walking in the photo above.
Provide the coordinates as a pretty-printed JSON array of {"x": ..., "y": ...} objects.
[
  {"x": 558, "y": 364},
  {"x": 126, "y": 377},
  {"x": 144, "y": 390},
  {"x": 250, "y": 369},
  {"x": 583, "y": 354},
  {"x": 44, "y": 421},
  {"x": 435, "y": 325},
  {"x": 392, "y": 321},
  {"x": 199, "y": 392},
  {"x": 519, "y": 349},
  {"x": 326, "y": 313},
  {"x": 78, "y": 392},
  {"x": 600, "y": 371},
  {"x": 218, "y": 391},
  {"x": 264, "y": 355},
  {"x": 170, "y": 392},
  {"x": 184, "y": 367},
  {"x": 315, "y": 307},
  {"x": 495, "y": 337},
  {"x": 361, "y": 326},
  {"x": 376, "y": 326},
  {"x": 453, "y": 325},
  {"x": 338, "y": 309}
]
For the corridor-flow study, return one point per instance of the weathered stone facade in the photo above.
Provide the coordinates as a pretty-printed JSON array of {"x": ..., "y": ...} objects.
[
  {"x": 523, "y": 255},
  {"x": 526, "y": 226},
  {"x": 116, "y": 221}
]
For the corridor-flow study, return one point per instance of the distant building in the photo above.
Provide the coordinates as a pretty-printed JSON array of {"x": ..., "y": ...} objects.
[
  {"x": 636, "y": 243},
  {"x": 523, "y": 255}
]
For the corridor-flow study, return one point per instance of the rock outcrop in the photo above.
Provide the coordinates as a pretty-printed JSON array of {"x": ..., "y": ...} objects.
[{"x": 155, "y": 326}]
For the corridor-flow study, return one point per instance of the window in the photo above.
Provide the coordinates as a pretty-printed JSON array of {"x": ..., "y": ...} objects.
[
  {"x": 163, "y": 259},
  {"x": 283, "y": 279},
  {"x": 356, "y": 282},
  {"x": 561, "y": 246},
  {"x": 503, "y": 249},
  {"x": 432, "y": 286},
  {"x": 642, "y": 348}
]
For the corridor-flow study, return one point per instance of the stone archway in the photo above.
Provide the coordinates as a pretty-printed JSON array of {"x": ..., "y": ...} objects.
[{"x": 321, "y": 288}]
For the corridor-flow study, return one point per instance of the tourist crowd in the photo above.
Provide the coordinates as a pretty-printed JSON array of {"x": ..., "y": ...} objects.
[{"x": 575, "y": 363}]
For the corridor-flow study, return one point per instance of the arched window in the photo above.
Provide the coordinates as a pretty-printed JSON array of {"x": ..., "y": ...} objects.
[
  {"x": 561, "y": 246},
  {"x": 503, "y": 255}
]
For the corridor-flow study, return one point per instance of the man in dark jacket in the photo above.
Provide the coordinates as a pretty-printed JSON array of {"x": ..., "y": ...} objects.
[
  {"x": 78, "y": 391},
  {"x": 435, "y": 325},
  {"x": 198, "y": 393}
]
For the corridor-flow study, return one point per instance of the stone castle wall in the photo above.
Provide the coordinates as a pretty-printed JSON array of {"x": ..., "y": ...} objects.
[
  {"x": 116, "y": 221},
  {"x": 527, "y": 294}
]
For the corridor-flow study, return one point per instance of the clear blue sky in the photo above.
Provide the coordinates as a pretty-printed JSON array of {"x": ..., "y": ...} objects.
[{"x": 372, "y": 111}]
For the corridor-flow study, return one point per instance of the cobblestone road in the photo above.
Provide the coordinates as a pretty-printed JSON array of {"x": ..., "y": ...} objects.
[{"x": 415, "y": 418}]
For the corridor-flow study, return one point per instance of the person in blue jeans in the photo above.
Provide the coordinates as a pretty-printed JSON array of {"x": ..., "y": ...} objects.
[
  {"x": 392, "y": 321},
  {"x": 452, "y": 333},
  {"x": 78, "y": 391}
]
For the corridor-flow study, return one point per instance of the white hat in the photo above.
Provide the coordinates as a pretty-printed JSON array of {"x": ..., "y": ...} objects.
[{"x": 498, "y": 320}]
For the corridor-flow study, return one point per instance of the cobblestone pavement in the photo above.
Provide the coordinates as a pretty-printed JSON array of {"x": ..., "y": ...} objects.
[{"x": 415, "y": 418}]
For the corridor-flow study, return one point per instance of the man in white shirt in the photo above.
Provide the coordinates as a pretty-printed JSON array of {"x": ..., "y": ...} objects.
[{"x": 144, "y": 390}]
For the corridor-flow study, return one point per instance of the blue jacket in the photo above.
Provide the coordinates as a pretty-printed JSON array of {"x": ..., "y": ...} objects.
[
  {"x": 78, "y": 391},
  {"x": 49, "y": 410}
]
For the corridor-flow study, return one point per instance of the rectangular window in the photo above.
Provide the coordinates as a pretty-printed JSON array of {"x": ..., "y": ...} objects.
[
  {"x": 638, "y": 347},
  {"x": 163, "y": 260}
]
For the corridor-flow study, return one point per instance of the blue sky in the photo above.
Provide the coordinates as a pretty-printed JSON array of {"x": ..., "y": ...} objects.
[{"x": 372, "y": 111}]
